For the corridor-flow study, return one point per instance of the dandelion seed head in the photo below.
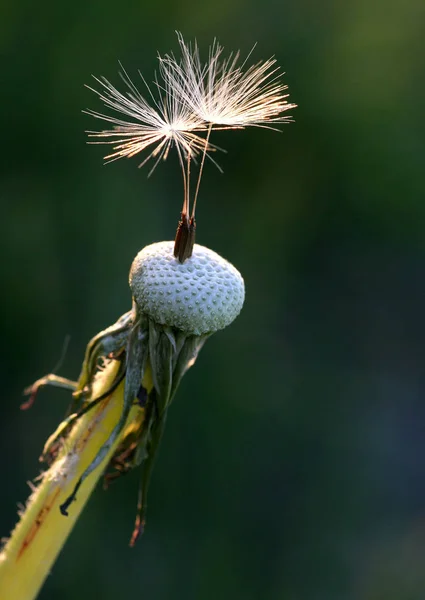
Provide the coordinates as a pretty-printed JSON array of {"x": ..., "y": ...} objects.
[{"x": 203, "y": 295}]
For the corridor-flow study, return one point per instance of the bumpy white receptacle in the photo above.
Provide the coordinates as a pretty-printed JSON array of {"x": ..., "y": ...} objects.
[{"x": 202, "y": 295}]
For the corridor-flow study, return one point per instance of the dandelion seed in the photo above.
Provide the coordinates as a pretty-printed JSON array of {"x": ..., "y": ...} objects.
[
  {"x": 221, "y": 93},
  {"x": 168, "y": 121},
  {"x": 193, "y": 98}
]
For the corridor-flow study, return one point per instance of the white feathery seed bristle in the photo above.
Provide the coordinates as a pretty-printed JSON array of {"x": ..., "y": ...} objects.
[
  {"x": 221, "y": 93},
  {"x": 202, "y": 295},
  {"x": 169, "y": 121}
]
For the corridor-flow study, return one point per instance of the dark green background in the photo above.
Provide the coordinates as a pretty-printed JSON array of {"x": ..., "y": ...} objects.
[{"x": 293, "y": 465}]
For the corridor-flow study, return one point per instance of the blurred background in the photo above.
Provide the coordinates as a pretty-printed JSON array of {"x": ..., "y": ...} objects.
[{"x": 293, "y": 464}]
